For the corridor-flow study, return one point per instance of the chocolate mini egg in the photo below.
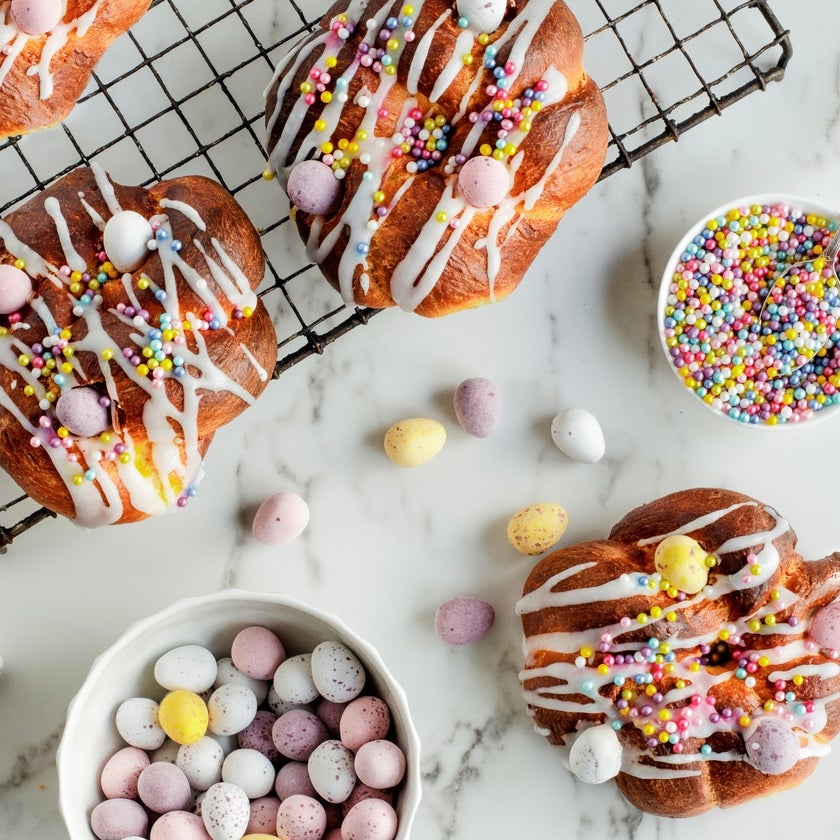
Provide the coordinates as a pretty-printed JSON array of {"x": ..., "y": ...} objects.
[
  {"x": 227, "y": 672},
  {"x": 483, "y": 16},
  {"x": 118, "y": 779},
  {"x": 595, "y": 755},
  {"x": 292, "y": 778},
  {"x": 536, "y": 528},
  {"x": 682, "y": 562},
  {"x": 183, "y": 716},
  {"x": 191, "y": 667},
  {"x": 231, "y": 708},
  {"x": 249, "y": 770},
  {"x": 201, "y": 762},
  {"x": 226, "y": 811},
  {"x": 370, "y": 819},
  {"x": 478, "y": 406},
  {"x": 178, "y": 825},
  {"x": 331, "y": 771},
  {"x": 36, "y": 17},
  {"x": 138, "y": 723},
  {"x": 263, "y": 816},
  {"x": 313, "y": 188},
  {"x": 293, "y": 680},
  {"x": 301, "y": 818},
  {"x": 297, "y": 733},
  {"x": 336, "y": 671},
  {"x": 772, "y": 747},
  {"x": 257, "y": 652},
  {"x": 83, "y": 411},
  {"x": 483, "y": 182},
  {"x": 578, "y": 434},
  {"x": 825, "y": 626},
  {"x": 126, "y": 240},
  {"x": 380, "y": 764},
  {"x": 15, "y": 289},
  {"x": 365, "y": 719},
  {"x": 119, "y": 818},
  {"x": 461, "y": 621},
  {"x": 281, "y": 518},
  {"x": 163, "y": 787},
  {"x": 257, "y": 735},
  {"x": 415, "y": 441}
]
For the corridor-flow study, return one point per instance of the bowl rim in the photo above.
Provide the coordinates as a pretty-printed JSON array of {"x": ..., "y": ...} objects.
[
  {"x": 809, "y": 204},
  {"x": 411, "y": 793}
]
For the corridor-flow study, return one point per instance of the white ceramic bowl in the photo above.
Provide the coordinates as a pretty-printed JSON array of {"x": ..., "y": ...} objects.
[
  {"x": 126, "y": 670},
  {"x": 794, "y": 201}
]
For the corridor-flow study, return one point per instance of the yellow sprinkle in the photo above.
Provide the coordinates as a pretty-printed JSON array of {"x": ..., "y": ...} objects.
[
  {"x": 78, "y": 479},
  {"x": 62, "y": 432},
  {"x": 656, "y": 612},
  {"x": 798, "y": 679},
  {"x": 642, "y": 618},
  {"x": 664, "y": 737},
  {"x": 326, "y": 97},
  {"x": 268, "y": 175},
  {"x": 770, "y": 620},
  {"x": 603, "y": 669},
  {"x": 744, "y": 720},
  {"x": 331, "y": 61},
  {"x": 723, "y": 635},
  {"x": 485, "y": 149},
  {"x": 107, "y": 354}
]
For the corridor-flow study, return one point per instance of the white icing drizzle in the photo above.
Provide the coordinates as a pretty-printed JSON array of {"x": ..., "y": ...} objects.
[
  {"x": 185, "y": 210},
  {"x": 575, "y": 684}
]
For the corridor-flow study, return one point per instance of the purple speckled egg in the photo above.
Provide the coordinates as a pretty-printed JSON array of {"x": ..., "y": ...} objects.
[
  {"x": 15, "y": 288},
  {"x": 179, "y": 825},
  {"x": 461, "y": 621},
  {"x": 330, "y": 713},
  {"x": 478, "y": 406},
  {"x": 365, "y": 719},
  {"x": 484, "y": 182},
  {"x": 825, "y": 626},
  {"x": 118, "y": 779},
  {"x": 313, "y": 188},
  {"x": 297, "y": 733},
  {"x": 292, "y": 778},
  {"x": 257, "y": 735},
  {"x": 226, "y": 811},
  {"x": 263, "y": 815},
  {"x": 115, "y": 819},
  {"x": 370, "y": 819},
  {"x": 301, "y": 818},
  {"x": 281, "y": 518},
  {"x": 380, "y": 764},
  {"x": 164, "y": 787},
  {"x": 772, "y": 748},
  {"x": 83, "y": 411}
]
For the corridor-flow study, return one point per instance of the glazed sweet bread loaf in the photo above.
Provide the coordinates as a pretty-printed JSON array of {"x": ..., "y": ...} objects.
[
  {"x": 692, "y": 655},
  {"x": 429, "y": 149},
  {"x": 130, "y": 331},
  {"x": 48, "y": 49}
]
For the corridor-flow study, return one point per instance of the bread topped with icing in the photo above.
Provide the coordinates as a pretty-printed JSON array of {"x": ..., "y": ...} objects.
[
  {"x": 429, "y": 149},
  {"x": 691, "y": 656},
  {"x": 48, "y": 49},
  {"x": 130, "y": 331}
]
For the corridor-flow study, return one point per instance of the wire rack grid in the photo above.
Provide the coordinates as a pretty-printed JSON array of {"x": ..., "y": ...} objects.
[{"x": 181, "y": 93}]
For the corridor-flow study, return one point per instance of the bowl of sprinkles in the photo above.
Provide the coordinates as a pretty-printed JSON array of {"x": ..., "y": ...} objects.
[{"x": 710, "y": 303}]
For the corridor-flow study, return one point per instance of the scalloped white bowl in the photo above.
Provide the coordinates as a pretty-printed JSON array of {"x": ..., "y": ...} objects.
[{"x": 126, "y": 670}]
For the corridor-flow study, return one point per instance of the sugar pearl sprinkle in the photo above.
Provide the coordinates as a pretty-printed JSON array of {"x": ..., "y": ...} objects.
[{"x": 712, "y": 329}]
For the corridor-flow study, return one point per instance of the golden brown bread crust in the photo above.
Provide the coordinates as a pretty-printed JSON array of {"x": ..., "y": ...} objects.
[
  {"x": 23, "y": 105},
  {"x": 164, "y": 428},
  {"x": 492, "y": 250},
  {"x": 612, "y": 587}
]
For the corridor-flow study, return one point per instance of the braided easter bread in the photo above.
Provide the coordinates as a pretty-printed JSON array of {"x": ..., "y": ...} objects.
[
  {"x": 430, "y": 149},
  {"x": 49, "y": 48},
  {"x": 691, "y": 656},
  {"x": 129, "y": 332}
]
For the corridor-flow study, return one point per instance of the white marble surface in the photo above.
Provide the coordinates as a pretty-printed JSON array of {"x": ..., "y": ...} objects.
[{"x": 386, "y": 546}]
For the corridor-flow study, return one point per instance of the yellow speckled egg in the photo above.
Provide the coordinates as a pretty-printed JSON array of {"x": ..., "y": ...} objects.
[
  {"x": 681, "y": 561},
  {"x": 536, "y": 528},
  {"x": 183, "y": 716},
  {"x": 412, "y": 442}
]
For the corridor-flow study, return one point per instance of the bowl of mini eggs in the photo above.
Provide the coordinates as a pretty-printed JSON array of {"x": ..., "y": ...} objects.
[
  {"x": 714, "y": 328},
  {"x": 239, "y": 715}
]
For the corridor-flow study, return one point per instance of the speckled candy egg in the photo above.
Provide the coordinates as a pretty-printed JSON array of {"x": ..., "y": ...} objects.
[
  {"x": 118, "y": 778},
  {"x": 292, "y": 778},
  {"x": 201, "y": 762},
  {"x": 163, "y": 787},
  {"x": 478, "y": 406},
  {"x": 362, "y": 791},
  {"x": 263, "y": 815},
  {"x": 281, "y": 518},
  {"x": 83, "y": 411},
  {"x": 36, "y": 17},
  {"x": 115, "y": 819},
  {"x": 365, "y": 719},
  {"x": 370, "y": 819},
  {"x": 301, "y": 818},
  {"x": 337, "y": 672},
  {"x": 484, "y": 182},
  {"x": 578, "y": 434},
  {"x": 227, "y": 672},
  {"x": 257, "y": 735},
  {"x": 191, "y": 667},
  {"x": 415, "y": 441},
  {"x": 595, "y": 755},
  {"x": 231, "y": 708},
  {"x": 297, "y": 733},
  {"x": 293, "y": 680},
  {"x": 536, "y": 528},
  {"x": 461, "y": 621},
  {"x": 825, "y": 626},
  {"x": 126, "y": 240},
  {"x": 226, "y": 811},
  {"x": 179, "y": 825},
  {"x": 313, "y": 188},
  {"x": 330, "y": 713},
  {"x": 483, "y": 16},
  {"x": 380, "y": 764},
  {"x": 331, "y": 771},
  {"x": 682, "y": 562},
  {"x": 257, "y": 652},
  {"x": 138, "y": 724},
  {"x": 15, "y": 288},
  {"x": 249, "y": 770},
  {"x": 183, "y": 716},
  {"x": 773, "y": 748}
]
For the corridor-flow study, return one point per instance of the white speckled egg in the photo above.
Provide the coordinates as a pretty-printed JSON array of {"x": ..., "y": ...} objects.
[
  {"x": 226, "y": 811},
  {"x": 231, "y": 708},
  {"x": 227, "y": 672},
  {"x": 201, "y": 762},
  {"x": 126, "y": 240},
  {"x": 337, "y": 673},
  {"x": 483, "y": 15},
  {"x": 331, "y": 771},
  {"x": 249, "y": 770},
  {"x": 578, "y": 434},
  {"x": 138, "y": 725},
  {"x": 293, "y": 680},
  {"x": 191, "y": 667}
]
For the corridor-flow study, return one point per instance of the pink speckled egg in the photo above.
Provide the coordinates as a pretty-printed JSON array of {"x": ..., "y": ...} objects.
[
  {"x": 461, "y": 621},
  {"x": 15, "y": 288},
  {"x": 226, "y": 811},
  {"x": 292, "y": 778},
  {"x": 370, "y": 819},
  {"x": 280, "y": 519},
  {"x": 115, "y": 819},
  {"x": 773, "y": 747},
  {"x": 118, "y": 779},
  {"x": 297, "y": 733},
  {"x": 825, "y": 626},
  {"x": 257, "y": 652},
  {"x": 380, "y": 764},
  {"x": 263, "y": 815},
  {"x": 313, "y": 188},
  {"x": 179, "y": 825},
  {"x": 362, "y": 791},
  {"x": 365, "y": 719},
  {"x": 333, "y": 834},
  {"x": 301, "y": 818},
  {"x": 164, "y": 787},
  {"x": 257, "y": 735},
  {"x": 478, "y": 406},
  {"x": 483, "y": 182},
  {"x": 36, "y": 17}
]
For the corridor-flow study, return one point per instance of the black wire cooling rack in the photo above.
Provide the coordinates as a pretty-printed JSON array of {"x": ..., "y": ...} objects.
[{"x": 182, "y": 93}]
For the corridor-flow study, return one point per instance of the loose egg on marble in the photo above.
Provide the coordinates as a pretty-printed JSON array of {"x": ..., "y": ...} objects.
[
  {"x": 365, "y": 719},
  {"x": 231, "y": 708},
  {"x": 36, "y": 17},
  {"x": 281, "y": 518},
  {"x": 84, "y": 411},
  {"x": 370, "y": 819},
  {"x": 163, "y": 787},
  {"x": 118, "y": 778},
  {"x": 483, "y": 16},
  {"x": 478, "y": 406},
  {"x": 825, "y": 626},
  {"x": 336, "y": 671},
  {"x": 463, "y": 620},
  {"x": 191, "y": 667},
  {"x": 578, "y": 434},
  {"x": 257, "y": 652},
  {"x": 126, "y": 240},
  {"x": 118, "y": 818},
  {"x": 412, "y": 442},
  {"x": 536, "y": 528},
  {"x": 201, "y": 762},
  {"x": 137, "y": 721},
  {"x": 226, "y": 811},
  {"x": 183, "y": 716},
  {"x": 293, "y": 680},
  {"x": 301, "y": 818},
  {"x": 331, "y": 771},
  {"x": 15, "y": 288},
  {"x": 249, "y": 770}
]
